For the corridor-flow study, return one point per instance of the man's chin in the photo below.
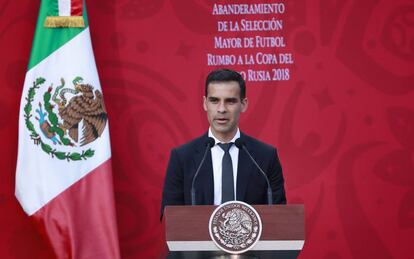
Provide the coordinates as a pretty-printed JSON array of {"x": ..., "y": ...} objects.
[{"x": 223, "y": 130}]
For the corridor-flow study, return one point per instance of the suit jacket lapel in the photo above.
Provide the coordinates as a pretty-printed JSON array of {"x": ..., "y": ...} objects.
[
  {"x": 244, "y": 168},
  {"x": 205, "y": 181}
]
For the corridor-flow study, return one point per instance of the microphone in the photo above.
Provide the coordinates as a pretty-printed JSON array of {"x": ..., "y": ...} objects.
[
  {"x": 209, "y": 144},
  {"x": 241, "y": 145}
]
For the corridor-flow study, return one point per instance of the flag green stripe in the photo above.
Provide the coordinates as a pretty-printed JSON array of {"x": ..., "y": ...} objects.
[
  {"x": 53, "y": 8},
  {"x": 48, "y": 40}
]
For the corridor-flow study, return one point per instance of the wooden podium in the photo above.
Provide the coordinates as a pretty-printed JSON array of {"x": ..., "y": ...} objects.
[{"x": 187, "y": 233}]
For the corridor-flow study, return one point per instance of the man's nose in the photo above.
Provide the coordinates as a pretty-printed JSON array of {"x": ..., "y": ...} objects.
[{"x": 221, "y": 107}]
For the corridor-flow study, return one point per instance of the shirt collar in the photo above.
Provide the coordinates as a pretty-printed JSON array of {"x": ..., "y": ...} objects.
[{"x": 210, "y": 134}]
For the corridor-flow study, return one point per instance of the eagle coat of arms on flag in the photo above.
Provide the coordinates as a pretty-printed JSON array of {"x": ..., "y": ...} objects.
[{"x": 62, "y": 113}]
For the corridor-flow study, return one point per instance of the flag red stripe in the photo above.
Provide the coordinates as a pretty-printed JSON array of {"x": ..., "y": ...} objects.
[
  {"x": 76, "y": 8},
  {"x": 81, "y": 221}
]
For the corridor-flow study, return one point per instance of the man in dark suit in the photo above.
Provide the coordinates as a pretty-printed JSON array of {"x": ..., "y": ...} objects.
[{"x": 227, "y": 173}]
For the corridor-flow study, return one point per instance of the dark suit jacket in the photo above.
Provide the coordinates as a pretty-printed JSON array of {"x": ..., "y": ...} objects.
[{"x": 251, "y": 186}]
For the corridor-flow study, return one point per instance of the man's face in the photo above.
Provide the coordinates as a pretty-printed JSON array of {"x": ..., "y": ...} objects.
[{"x": 223, "y": 106}]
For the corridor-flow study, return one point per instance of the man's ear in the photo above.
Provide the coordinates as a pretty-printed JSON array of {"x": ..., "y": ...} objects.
[
  {"x": 245, "y": 104},
  {"x": 205, "y": 103}
]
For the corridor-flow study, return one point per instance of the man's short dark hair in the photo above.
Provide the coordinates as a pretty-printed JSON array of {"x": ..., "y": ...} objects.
[{"x": 226, "y": 75}]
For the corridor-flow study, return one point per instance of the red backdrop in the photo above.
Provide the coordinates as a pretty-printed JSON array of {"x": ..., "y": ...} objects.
[{"x": 343, "y": 123}]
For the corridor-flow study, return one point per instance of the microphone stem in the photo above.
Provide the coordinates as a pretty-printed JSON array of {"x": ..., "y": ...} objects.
[
  {"x": 269, "y": 189},
  {"x": 193, "y": 201}
]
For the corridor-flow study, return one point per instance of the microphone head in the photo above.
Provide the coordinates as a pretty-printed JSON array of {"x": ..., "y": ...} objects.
[
  {"x": 210, "y": 142},
  {"x": 239, "y": 143}
]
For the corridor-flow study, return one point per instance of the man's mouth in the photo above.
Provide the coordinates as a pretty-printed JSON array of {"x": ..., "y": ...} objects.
[{"x": 222, "y": 120}]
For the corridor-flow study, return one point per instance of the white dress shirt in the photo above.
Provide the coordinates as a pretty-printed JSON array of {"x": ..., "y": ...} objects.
[{"x": 217, "y": 154}]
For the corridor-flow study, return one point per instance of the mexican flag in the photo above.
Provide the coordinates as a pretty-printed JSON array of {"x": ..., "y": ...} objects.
[{"x": 63, "y": 174}]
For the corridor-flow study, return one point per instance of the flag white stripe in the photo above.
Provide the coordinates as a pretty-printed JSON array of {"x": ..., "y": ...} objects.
[{"x": 64, "y": 7}]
